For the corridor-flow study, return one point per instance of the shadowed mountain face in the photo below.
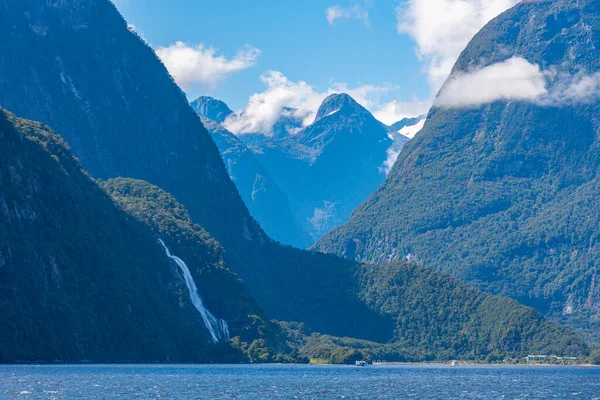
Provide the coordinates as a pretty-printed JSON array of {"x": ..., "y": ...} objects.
[
  {"x": 504, "y": 195},
  {"x": 74, "y": 64},
  {"x": 325, "y": 169},
  {"x": 99, "y": 84},
  {"x": 348, "y": 148},
  {"x": 83, "y": 73},
  {"x": 81, "y": 279},
  {"x": 267, "y": 203}
]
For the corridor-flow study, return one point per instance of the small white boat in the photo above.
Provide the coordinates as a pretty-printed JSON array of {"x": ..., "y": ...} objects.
[
  {"x": 361, "y": 363},
  {"x": 454, "y": 363}
]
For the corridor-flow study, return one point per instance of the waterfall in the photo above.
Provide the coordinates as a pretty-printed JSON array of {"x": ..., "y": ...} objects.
[{"x": 219, "y": 330}]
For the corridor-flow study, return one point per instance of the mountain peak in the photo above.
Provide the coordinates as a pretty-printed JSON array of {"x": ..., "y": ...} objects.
[
  {"x": 337, "y": 102},
  {"x": 211, "y": 108}
]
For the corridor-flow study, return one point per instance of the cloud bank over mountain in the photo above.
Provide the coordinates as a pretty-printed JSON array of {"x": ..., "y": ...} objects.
[
  {"x": 518, "y": 79},
  {"x": 513, "y": 79},
  {"x": 440, "y": 29},
  {"x": 443, "y": 28},
  {"x": 283, "y": 96}
]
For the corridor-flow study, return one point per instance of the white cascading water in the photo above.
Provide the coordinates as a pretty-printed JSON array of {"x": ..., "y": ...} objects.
[{"x": 219, "y": 330}]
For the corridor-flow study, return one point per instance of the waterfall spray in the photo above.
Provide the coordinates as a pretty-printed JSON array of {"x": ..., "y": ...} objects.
[{"x": 218, "y": 329}]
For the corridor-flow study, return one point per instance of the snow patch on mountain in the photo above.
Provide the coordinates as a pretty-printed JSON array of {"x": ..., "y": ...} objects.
[{"x": 411, "y": 131}]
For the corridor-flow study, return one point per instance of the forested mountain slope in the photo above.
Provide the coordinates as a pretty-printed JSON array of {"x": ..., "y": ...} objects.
[
  {"x": 437, "y": 317},
  {"x": 504, "y": 194},
  {"x": 74, "y": 64},
  {"x": 81, "y": 280}
]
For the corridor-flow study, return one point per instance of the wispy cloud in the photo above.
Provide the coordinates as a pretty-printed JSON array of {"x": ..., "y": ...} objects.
[
  {"x": 393, "y": 111},
  {"x": 519, "y": 80},
  {"x": 443, "y": 28},
  {"x": 354, "y": 11},
  {"x": 394, "y": 151},
  {"x": 513, "y": 79},
  {"x": 201, "y": 65},
  {"x": 264, "y": 109},
  {"x": 572, "y": 88},
  {"x": 392, "y": 156}
]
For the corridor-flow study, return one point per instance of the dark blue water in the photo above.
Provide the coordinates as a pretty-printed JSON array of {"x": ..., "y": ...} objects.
[{"x": 297, "y": 382}]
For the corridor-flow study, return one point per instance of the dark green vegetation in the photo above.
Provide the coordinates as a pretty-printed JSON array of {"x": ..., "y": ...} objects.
[
  {"x": 141, "y": 126},
  {"x": 444, "y": 318},
  {"x": 170, "y": 221},
  {"x": 438, "y": 318},
  {"x": 124, "y": 116},
  {"x": 505, "y": 195},
  {"x": 85, "y": 280},
  {"x": 92, "y": 278},
  {"x": 224, "y": 294},
  {"x": 81, "y": 279},
  {"x": 263, "y": 197},
  {"x": 595, "y": 357}
]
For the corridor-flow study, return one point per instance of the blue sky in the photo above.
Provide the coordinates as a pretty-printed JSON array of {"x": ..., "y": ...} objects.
[{"x": 364, "y": 50}]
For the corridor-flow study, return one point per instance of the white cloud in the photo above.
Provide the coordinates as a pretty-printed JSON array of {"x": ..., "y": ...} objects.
[
  {"x": 577, "y": 88},
  {"x": 201, "y": 65},
  {"x": 392, "y": 156},
  {"x": 264, "y": 109},
  {"x": 517, "y": 79},
  {"x": 394, "y": 151},
  {"x": 513, "y": 79},
  {"x": 443, "y": 28},
  {"x": 394, "y": 111},
  {"x": 353, "y": 12}
]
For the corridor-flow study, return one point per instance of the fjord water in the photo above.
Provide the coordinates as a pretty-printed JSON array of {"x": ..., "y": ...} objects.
[{"x": 296, "y": 382}]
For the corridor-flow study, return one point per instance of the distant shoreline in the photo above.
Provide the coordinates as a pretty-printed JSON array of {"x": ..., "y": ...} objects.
[{"x": 393, "y": 364}]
